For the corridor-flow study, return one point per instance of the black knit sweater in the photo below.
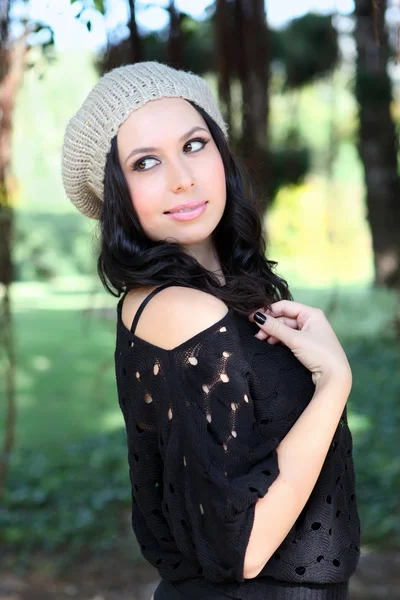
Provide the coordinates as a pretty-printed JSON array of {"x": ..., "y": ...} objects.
[{"x": 203, "y": 421}]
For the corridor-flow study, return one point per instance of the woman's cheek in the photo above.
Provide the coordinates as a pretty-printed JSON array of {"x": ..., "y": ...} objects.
[
  {"x": 142, "y": 196},
  {"x": 147, "y": 201},
  {"x": 218, "y": 180},
  {"x": 216, "y": 166}
]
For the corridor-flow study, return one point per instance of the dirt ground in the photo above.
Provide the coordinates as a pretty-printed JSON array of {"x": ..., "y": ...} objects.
[{"x": 114, "y": 578}]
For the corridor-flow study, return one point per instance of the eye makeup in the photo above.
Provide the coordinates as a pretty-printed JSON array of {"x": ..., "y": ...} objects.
[{"x": 143, "y": 159}]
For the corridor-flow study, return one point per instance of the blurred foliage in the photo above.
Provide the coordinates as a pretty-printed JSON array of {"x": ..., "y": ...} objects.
[
  {"x": 98, "y": 5},
  {"x": 198, "y": 51},
  {"x": 44, "y": 247},
  {"x": 74, "y": 500},
  {"x": 198, "y": 48},
  {"x": 307, "y": 48},
  {"x": 375, "y": 425},
  {"x": 290, "y": 165}
]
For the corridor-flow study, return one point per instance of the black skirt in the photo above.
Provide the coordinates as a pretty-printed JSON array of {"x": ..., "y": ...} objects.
[
  {"x": 189, "y": 590},
  {"x": 185, "y": 590}
]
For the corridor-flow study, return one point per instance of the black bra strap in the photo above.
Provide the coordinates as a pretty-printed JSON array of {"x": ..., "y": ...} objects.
[{"x": 145, "y": 301}]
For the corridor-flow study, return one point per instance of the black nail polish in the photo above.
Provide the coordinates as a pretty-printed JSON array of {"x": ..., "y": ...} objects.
[{"x": 259, "y": 318}]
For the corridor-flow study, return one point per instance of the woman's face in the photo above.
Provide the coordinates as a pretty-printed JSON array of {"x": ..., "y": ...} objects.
[{"x": 169, "y": 158}]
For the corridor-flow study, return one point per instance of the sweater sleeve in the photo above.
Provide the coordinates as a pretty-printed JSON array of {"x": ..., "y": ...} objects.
[{"x": 226, "y": 464}]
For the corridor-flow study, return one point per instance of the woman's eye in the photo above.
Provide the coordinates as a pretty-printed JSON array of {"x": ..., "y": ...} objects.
[
  {"x": 197, "y": 144},
  {"x": 138, "y": 166},
  {"x": 145, "y": 164}
]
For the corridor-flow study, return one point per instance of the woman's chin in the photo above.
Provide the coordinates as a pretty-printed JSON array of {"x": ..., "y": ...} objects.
[{"x": 196, "y": 235}]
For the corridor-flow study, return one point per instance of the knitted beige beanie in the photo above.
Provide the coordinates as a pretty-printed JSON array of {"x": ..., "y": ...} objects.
[{"x": 88, "y": 134}]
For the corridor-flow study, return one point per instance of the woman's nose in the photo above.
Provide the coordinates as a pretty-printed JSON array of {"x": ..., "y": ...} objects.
[{"x": 181, "y": 178}]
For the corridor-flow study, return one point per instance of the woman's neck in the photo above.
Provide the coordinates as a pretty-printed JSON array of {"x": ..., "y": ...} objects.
[{"x": 207, "y": 256}]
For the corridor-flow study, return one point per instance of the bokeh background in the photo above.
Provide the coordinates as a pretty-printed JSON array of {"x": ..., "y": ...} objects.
[{"x": 311, "y": 92}]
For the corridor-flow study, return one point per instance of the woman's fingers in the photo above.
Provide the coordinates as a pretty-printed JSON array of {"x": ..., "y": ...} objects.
[
  {"x": 288, "y": 308},
  {"x": 263, "y": 335},
  {"x": 300, "y": 313},
  {"x": 275, "y": 327}
]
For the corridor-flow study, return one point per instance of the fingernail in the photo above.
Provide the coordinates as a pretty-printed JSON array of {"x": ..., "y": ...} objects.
[{"x": 259, "y": 318}]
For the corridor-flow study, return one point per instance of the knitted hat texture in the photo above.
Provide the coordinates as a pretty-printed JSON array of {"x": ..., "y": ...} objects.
[{"x": 88, "y": 134}]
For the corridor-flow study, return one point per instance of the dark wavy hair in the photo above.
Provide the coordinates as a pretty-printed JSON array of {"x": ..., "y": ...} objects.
[{"x": 129, "y": 259}]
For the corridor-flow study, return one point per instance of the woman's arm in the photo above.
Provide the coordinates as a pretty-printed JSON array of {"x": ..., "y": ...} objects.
[
  {"x": 301, "y": 455},
  {"x": 302, "y": 452}
]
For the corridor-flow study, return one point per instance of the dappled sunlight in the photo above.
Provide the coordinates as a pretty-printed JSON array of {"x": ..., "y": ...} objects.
[
  {"x": 358, "y": 423},
  {"x": 316, "y": 246},
  {"x": 41, "y": 363},
  {"x": 113, "y": 420},
  {"x": 25, "y": 400},
  {"x": 25, "y": 379}
]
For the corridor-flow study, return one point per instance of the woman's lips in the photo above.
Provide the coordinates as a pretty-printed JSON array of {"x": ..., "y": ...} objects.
[{"x": 188, "y": 214}]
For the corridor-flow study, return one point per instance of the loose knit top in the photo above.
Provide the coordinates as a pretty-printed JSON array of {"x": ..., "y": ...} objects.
[{"x": 203, "y": 422}]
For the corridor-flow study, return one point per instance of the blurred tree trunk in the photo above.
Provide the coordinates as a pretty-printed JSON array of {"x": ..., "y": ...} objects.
[
  {"x": 11, "y": 69},
  {"x": 135, "y": 40},
  {"x": 175, "y": 42},
  {"x": 252, "y": 60},
  {"x": 251, "y": 46},
  {"x": 223, "y": 48},
  {"x": 6, "y": 227},
  {"x": 377, "y": 140}
]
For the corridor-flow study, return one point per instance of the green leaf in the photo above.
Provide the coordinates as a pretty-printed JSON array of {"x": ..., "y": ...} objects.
[{"x": 99, "y": 5}]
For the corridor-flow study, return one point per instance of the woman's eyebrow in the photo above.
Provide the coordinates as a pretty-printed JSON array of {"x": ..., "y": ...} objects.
[{"x": 152, "y": 149}]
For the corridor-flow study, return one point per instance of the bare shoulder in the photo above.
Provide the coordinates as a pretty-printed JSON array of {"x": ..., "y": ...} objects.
[
  {"x": 173, "y": 315},
  {"x": 132, "y": 301}
]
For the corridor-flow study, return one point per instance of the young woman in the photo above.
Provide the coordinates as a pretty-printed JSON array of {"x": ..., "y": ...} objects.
[{"x": 234, "y": 396}]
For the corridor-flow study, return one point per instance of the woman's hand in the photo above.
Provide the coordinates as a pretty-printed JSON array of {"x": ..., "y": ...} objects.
[{"x": 307, "y": 333}]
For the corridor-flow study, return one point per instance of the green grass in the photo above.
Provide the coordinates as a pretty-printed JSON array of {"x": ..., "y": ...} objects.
[{"x": 65, "y": 373}]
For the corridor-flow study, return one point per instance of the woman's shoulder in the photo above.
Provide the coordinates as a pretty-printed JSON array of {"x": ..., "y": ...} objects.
[{"x": 173, "y": 315}]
